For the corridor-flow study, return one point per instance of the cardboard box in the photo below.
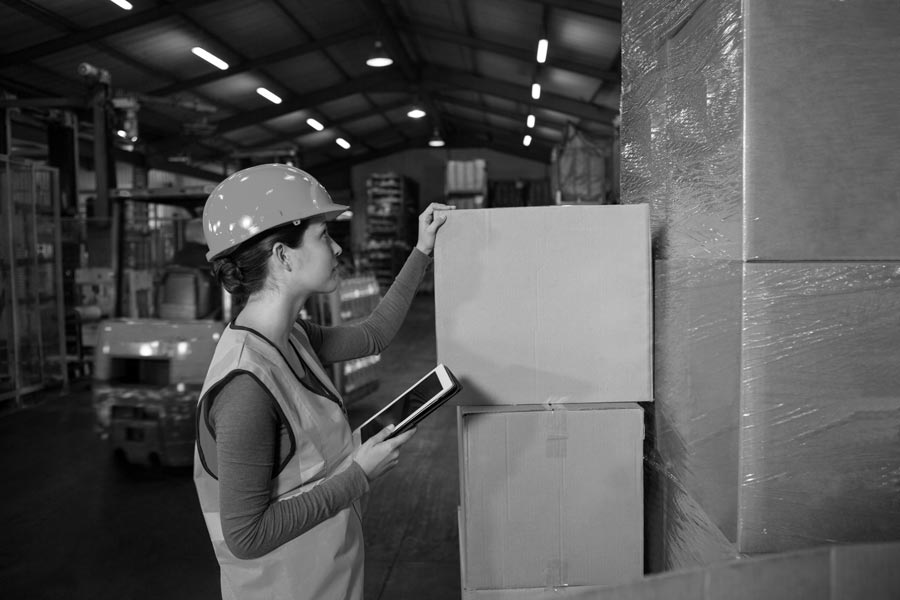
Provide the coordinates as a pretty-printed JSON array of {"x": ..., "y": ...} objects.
[
  {"x": 864, "y": 572},
  {"x": 777, "y": 408},
  {"x": 546, "y": 304},
  {"x": 550, "y": 498},
  {"x": 820, "y": 161},
  {"x": 820, "y": 405},
  {"x": 734, "y": 130},
  {"x": 698, "y": 377}
]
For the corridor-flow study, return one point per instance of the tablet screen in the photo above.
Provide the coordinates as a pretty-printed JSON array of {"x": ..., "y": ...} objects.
[
  {"x": 424, "y": 391},
  {"x": 410, "y": 401}
]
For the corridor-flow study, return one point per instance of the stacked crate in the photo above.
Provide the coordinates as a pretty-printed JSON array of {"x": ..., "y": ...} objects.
[{"x": 544, "y": 315}]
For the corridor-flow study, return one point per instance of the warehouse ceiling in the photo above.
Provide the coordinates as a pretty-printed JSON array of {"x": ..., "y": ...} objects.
[{"x": 469, "y": 64}]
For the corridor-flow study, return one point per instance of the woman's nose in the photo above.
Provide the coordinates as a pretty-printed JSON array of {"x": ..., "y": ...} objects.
[{"x": 335, "y": 248}]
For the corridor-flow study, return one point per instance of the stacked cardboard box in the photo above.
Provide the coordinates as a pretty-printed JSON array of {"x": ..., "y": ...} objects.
[
  {"x": 855, "y": 572},
  {"x": 544, "y": 314},
  {"x": 756, "y": 133}
]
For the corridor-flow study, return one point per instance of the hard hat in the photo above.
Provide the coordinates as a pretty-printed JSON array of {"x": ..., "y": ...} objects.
[{"x": 260, "y": 198}]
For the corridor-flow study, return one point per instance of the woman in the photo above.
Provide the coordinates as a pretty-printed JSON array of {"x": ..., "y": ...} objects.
[{"x": 277, "y": 472}]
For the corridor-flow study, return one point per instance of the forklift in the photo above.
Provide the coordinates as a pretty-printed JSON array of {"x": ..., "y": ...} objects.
[{"x": 149, "y": 370}]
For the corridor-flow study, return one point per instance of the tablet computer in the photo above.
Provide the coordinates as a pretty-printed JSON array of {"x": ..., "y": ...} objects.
[{"x": 419, "y": 401}]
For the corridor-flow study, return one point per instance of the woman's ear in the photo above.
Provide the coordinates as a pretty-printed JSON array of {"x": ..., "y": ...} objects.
[{"x": 279, "y": 251}]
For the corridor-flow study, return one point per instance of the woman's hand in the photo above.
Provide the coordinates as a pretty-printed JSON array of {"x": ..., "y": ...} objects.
[
  {"x": 376, "y": 456},
  {"x": 429, "y": 223}
]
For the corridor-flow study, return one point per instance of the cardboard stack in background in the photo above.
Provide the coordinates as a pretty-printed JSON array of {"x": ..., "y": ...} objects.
[
  {"x": 544, "y": 313},
  {"x": 763, "y": 137}
]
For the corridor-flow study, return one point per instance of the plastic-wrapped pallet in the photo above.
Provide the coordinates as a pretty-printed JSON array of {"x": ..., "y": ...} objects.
[{"x": 777, "y": 268}]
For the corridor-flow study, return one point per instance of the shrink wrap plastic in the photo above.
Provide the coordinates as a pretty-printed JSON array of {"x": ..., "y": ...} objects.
[
  {"x": 820, "y": 414},
  {"x": 776, "y": 422},
  {"x": 681, "y": 132}
]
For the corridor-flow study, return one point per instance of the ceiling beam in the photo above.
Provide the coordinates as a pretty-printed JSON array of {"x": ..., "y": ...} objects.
[
  {"x": 508, "y": 147},
  {"x": 312, "y": 99},
  {"x": 86, "y": 36},
  {"x": 288, "y": 137},
  {"x": 333, "y": 166},
  {"x": 298, "y": 25},
  {"x": 520, "y": 116},
  {"x": 510, "y": 51},
  {"x": 438, "y": 79},
  {"x": 269, "y": 59},
  {"x": 328, "y": 167},
  {"x": 610, "y": 11},
  {"x": 500, "y": 132},
  {"x": 596, "y": 130},
  {"x": 359, "y": 85}
]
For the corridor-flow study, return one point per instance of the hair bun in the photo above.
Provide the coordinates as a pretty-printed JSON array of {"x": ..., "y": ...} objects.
[{"x": 228, "y": 274}]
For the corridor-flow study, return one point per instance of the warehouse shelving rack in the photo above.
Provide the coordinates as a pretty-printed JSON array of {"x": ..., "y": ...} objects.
[
  {"x": 391, "y": 224},
  {"x": 32, "y": 311},
  {"x": 466, "y": 183}
]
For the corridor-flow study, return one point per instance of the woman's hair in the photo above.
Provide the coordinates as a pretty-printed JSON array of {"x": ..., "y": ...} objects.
[{"x": 244, "y": 271}]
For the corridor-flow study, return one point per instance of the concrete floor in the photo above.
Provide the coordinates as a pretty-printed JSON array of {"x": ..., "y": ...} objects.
[{"x": 77, "y": 526}]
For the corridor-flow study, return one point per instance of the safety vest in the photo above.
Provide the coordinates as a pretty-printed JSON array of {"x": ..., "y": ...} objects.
[{"x": 326, "y": 561}]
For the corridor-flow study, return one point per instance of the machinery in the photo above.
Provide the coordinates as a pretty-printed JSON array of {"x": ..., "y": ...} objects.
[
  {"x": 148, "y": 370},
  {"x": 147, "y": 377}
]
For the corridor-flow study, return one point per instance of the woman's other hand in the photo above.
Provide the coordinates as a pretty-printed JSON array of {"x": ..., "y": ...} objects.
[
  {"x": 377, "y": 456},
  {"x": 429, "y": 222}
]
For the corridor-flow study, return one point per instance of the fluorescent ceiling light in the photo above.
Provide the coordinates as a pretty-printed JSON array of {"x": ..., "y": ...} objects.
[
  {"x": 536, "y": 91},
  {"x": 526, "y": 141},
  {"x": 530, "y": 121},
  {"x": 542, "y": 51},
  {"x": 210, "y": 58},
  {"x": 122, "y": 4},
  {"x": 273, "y": 98},
  {"x": 343, "y": 143},
  {"x": 415, "y": 113},
  {"x": 315, "y": 124}
]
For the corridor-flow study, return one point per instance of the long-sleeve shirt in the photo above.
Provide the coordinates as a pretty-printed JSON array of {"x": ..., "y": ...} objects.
[{"x": 252, "y": 440}]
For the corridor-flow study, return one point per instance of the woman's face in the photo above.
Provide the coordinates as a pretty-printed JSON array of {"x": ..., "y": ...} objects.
[{"x": 317, "y": 256}]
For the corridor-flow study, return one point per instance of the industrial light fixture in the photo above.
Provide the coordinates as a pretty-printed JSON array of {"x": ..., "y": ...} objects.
[
  {"x": 343, "y": 143},
  {"x": 436, "y": 141},
  {"x": 530, "y": 121},
  {"x": 415, "y": 112},
  {"x": 210, "y": 58},
  {"x": 315, "y": 124},
  {"x": 124, "y": 4},
  {"x": 271, "y": 97},
  {"x": 542, "y": 50},
  {"x": 526, "y": 141},
  {"x": 129, "y": 126},
  {"x": 536, "y": 90},
  {"x": 378, "y": 57}
]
